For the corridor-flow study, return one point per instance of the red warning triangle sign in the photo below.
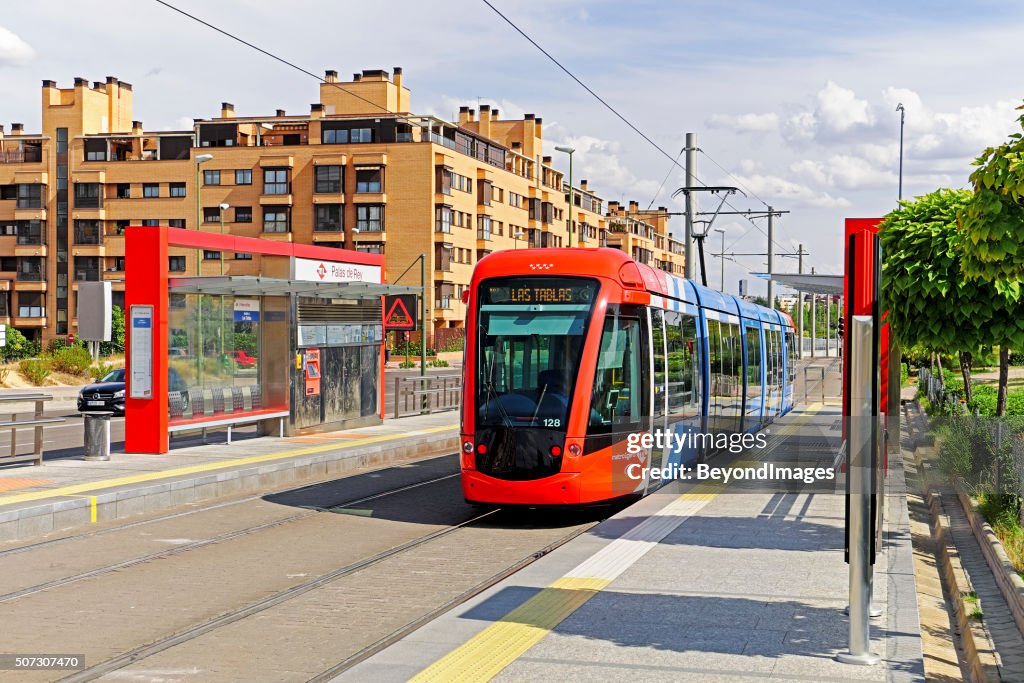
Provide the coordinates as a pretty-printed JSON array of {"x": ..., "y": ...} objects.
[{"x": 398, "y": 317}]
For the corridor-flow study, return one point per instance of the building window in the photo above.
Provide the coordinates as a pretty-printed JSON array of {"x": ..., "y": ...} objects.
[
  {"x": 124, "y": 191},
  {"x": 443, "y": 257},
  {"x": 360, "y": 135},
  {"x": 176, "y": 264},
  {"x": 176, "y": 223},
  {"x": 243, "y": 256},
  {"x": 95, "y": 150},
  {"x": 328, "y": 179},
  {"x": 328, "y": 218},
  {"x": 444, "y": 179},
  {"x": 88, "y": 232},
  {"x": 483, "y": 231},
  {"x": 370, "y": 218},
  {"x": 334, "y": 137},
  {"x": 87, "y": 268},
  {"x": 30, "y": 305},
  {"x": 151, "y": 222},
  {"x": 211, "y": 214},
  {"x": 275, "y": 220},
  {"x": 243, "y": 176},
  {"x": 243, "y": 214},
  {"x": 443, "y": 219},
  {"x": 87, "y": 195},
  {"x": 177, "y": 189},
  {"x": 369, "y": 179},
  {"x": 150, "y": 190},
  {"x": 121, "y": 225},
  {"x": 210, "y": 255},
  {"x": 211, "y": 177},
  {"x": 275, "y": 181},
  {"x": 370, "y": 247},
  {"x": 117, "y": 264}
]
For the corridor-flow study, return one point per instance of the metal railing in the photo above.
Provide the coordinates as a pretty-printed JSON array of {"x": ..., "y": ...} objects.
[
  {"x": 821, "y": 380},
  {"x": 946, "y": 401},
  {"x": 420, "y": 395},
  {"x": 37, "y": 421}
]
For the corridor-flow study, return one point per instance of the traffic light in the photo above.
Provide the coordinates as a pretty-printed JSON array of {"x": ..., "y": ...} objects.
[{"x": 840, "y": 328}]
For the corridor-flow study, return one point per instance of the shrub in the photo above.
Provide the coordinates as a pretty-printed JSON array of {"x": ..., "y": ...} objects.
[
  {"x": 437, "y": 363},
  {"x": 100, "y": 370},
  {"x": 73, "y": 360},
  {"x": 35, "y": 370},
  {"x": 407, "y": 364},
  {"x": 18, "y": 346}
]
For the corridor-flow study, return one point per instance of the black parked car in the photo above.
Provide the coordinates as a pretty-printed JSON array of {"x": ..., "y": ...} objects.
[{"x": 108, "y": 393}]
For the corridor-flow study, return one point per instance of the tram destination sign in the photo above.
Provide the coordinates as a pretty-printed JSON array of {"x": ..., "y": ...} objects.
[{"x": 540, "y": 291}]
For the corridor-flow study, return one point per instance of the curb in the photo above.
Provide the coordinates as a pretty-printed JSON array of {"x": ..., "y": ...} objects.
[
  {"x": 77, "y": 512},
  {"x": 1009, "y": 581}
]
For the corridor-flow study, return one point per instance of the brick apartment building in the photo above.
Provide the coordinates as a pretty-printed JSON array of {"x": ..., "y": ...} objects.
[{"x": 359, "y": 171}]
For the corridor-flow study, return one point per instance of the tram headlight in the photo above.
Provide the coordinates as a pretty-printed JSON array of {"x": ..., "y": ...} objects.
[
  {"x": 574, "y": 449},
  {"x": 467, "y": 446}
]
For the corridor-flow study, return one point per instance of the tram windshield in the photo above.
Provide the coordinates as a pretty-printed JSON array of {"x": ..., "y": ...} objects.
[{"x": 530, "y": 339}]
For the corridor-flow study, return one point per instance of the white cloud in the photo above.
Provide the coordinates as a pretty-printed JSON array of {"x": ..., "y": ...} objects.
[
  {"x": 600, "y": 161},
  {"x": 13, "y": 50},
  {"x": 793, "y": 193},
  {"x": 745, "y": 123},
  {"x": 839, "y": 109}
]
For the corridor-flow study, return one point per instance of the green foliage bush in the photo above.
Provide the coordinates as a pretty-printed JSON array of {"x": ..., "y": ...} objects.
[
  {"x": 405, "y": 364},
  {"x": 18, "y": 346},
  {"x": 437, "y": 363},
  {"x": 5, "y": 372},
  {"x": 100, "y": 370},
  {"x": 35, "y": 370},
  {"x": 74, "y": 360}
]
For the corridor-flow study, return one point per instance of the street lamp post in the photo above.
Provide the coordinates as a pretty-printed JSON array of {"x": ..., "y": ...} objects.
[
  {"x": 568, "y": 222},
  {"x": 899, "y": 108},
  {"x": 200, "y": 160},
  {"x": 722, "y": 288},
  {"x": 223, "y": 208},
  {"x": 518, "y": 235}
]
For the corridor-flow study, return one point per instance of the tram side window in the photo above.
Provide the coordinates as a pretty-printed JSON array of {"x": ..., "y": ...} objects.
[
  {"x": 790, "y": 357},
  {"x": 717, "y": 382},
  {"x": 658, "y": 343},
  {"x": 753, "y": 337},
  {"x": 732, "y": 369},
  {"x": 617, "y": 402},
  {"x": 684, "y": 364}
]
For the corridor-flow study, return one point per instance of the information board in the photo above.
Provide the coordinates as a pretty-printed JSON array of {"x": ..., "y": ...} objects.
[{"x": 141, "y": 341}]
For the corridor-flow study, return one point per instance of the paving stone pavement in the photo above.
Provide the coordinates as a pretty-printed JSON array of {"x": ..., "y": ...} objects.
[{"x": 997, "y": 620}]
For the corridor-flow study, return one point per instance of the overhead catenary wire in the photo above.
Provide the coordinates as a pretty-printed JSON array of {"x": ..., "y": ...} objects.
[
  {"x": 675, "y": 161},
  {"x": 290, "y": 64}
]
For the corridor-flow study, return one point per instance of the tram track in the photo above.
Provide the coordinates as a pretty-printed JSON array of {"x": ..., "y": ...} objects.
[
  {"x": 149, "y": 649},
  {"x": 220, "y": 538},
  {"x": 210, "y": 507},
  {"x": 396, "y": 635}
]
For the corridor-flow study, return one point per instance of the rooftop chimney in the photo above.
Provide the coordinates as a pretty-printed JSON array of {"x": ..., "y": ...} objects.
[
  {"x": 634, "y": 206},
  {"x": 528, "y": 117},
  {"x": 81, "y": 82},
  {"x": 227, "y": 110},
  {"x": 316, "y": 111},
  {"x": 472, "y": 114},
  {"x": 463, "y": 115},
  {"x": 17, "y": 129},
  {"x": 136, "y": 127},
  {"x": 111, "y": 79},
  {"x": 583, "y": 184},
  {"x": 49, "y": 84},
  {"x": 331, "y": 76},
  {"x": 280, "y": 112},
  {"x": 397, "y": 76},
  {"x": 547, "y": 160},
  {"x": 357, "y": 77},
  {"x": 99, "y": 85},
  {"x": 494, "y": 115}
]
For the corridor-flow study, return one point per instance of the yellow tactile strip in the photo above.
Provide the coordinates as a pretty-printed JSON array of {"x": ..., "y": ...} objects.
[{"x": 487, "y": 653}]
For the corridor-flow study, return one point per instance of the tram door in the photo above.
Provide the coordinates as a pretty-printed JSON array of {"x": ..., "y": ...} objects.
[
  {"x": 659, "y": 385},
  {"x": 753, "y": 382}
]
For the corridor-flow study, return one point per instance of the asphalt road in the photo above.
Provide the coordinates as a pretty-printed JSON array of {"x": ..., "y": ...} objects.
[{"x": 67, "y": 439}]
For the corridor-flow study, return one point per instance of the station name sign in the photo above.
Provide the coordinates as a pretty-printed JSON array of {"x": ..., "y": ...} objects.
[{"x": 335, "y": 271}]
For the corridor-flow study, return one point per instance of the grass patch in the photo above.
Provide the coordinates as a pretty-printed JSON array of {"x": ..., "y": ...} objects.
[
  {"x": 970, "y": 597},
  {"x": 1003, "y": 515},
  {"x": 977, "y": 614}
]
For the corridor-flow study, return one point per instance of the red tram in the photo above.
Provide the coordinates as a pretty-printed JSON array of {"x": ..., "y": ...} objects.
[{"x": 573, "y": 353}]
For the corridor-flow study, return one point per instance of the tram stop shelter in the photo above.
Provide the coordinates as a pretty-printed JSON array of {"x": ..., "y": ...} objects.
[{"x": 294, "y": 345}]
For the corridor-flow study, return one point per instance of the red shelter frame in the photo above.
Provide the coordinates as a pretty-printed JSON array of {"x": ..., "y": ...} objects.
[{"x": 146, "y": 283}]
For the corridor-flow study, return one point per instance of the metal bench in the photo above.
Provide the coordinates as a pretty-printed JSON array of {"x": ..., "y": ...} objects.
[
  {"x": 37, "y": 422},
  {"x": 216, "y": 401},
  {"x": 231, "y": 420}
]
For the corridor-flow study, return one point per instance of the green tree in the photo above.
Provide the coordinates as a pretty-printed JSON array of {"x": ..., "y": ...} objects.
[
  {"x": 18, "y": 346},
  {"x": 992, "y": 226},
  {"x": 116, "y": 343},
  {"x": 929, "y": 301}
]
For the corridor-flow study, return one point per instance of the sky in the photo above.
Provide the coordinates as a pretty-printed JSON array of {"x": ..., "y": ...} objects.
[{"x": 794, "y": 102}]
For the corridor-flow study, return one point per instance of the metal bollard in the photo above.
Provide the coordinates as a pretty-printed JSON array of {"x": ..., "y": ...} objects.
[
  {"x": 97, "y": 436},
  {"x": 859, "y": 449}
]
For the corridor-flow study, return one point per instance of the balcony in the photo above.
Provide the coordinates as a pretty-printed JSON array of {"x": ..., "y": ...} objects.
[
  {"x": 87, "y": 275},
  {"x": 21, "y": 152},
  {"x": 30, "y": 276},
  {"x": 483, "y": 235},
  {"x": 275, "y": 199}
]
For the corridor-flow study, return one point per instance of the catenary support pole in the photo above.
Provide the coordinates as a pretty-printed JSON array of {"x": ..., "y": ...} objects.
[
  {"x": 691, "y": 202},
  {"x": 771, "y": 257}
]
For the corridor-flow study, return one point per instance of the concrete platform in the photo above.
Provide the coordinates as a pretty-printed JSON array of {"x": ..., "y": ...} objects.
[
  {"x": 697, "y": 583},
  {"x": 70, "y": 493}
]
